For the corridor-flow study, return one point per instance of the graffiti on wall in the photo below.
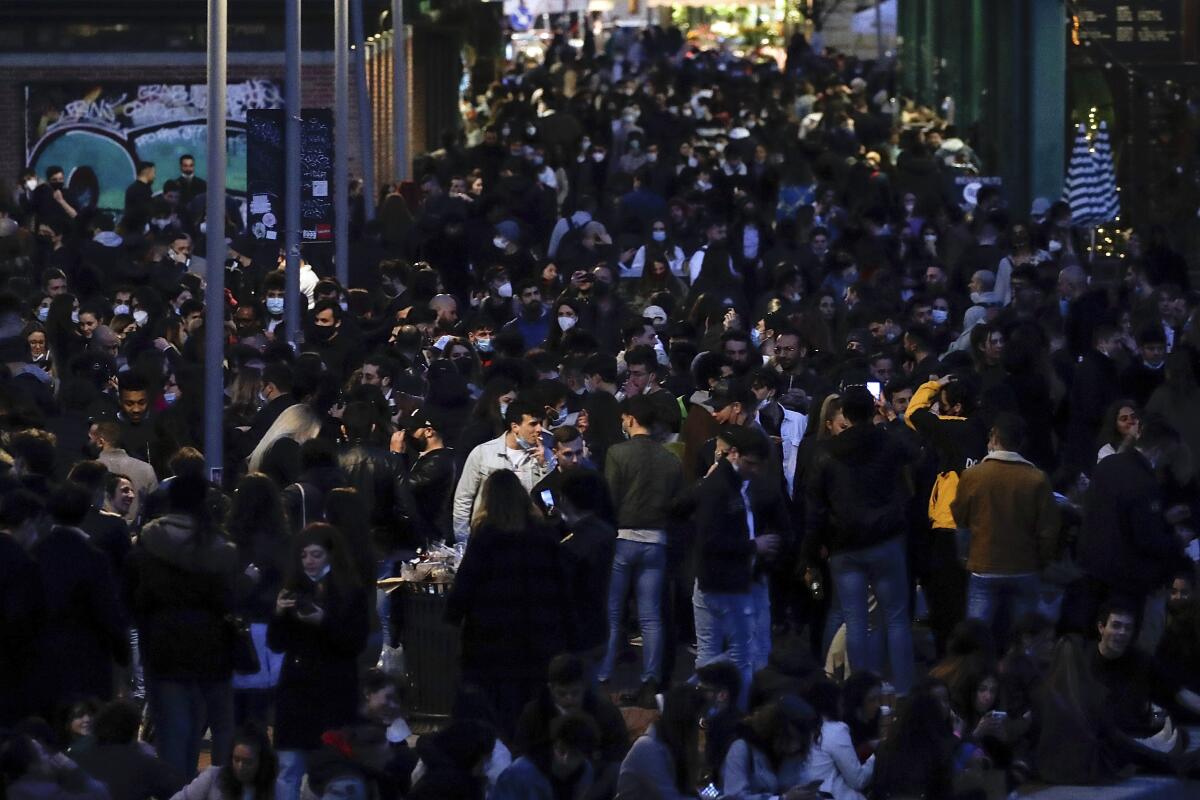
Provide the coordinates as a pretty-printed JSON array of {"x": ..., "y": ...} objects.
[{"x": 98, "y": 132}]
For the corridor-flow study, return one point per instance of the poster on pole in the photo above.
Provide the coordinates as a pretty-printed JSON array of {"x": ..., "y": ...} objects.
[{"x": 266, "y": 158}]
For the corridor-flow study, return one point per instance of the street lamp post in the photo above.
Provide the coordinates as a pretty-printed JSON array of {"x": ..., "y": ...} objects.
[
  {"x": 400, "y": 89},
  {"x": 366, "y": 147},
  {"x": 214, "y": 311},
  {"x": 341, "y": 140},
  {"x": 291, "y": 137}
]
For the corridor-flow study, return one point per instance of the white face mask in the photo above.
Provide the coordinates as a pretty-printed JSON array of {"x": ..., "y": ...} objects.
[
  {"x": 204, "y": 227},
  {"x": 651, "y": 158},
  {"x": 484, "y": 345},
  {"x": 31, "y": 184},
  {"x": 141, "y": 317},
  {"x": 940, "y": 315},
  {"x": 598, "y": 157},
  {"x": 1054, "y": 245},
  {"x": 274, "y": 306},
  {"x": 344, "y": 305},
  {"x": 500, "y": 242},
  {"x": 566, "y": 323},
  {"x": 75, "y": 317},
  {"x": 658, "y": 236},
  {"x": 121, "y": 308},
  {"x": 42, "y": 313},
  {"x": 504, "y": 289},
  {"x": 170, "y": 397}
]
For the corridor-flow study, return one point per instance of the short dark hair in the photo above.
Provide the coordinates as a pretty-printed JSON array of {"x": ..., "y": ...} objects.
[
  {"x": 748, "y": 441},
  {"x": 565, "y": 669},
  {"x": 641, "y": 408},
  {"x": 69, "y": 503},
  {"x": 585, "y": 489},
  {"x": 518, "y": 410},
  {"x": 142, "y": 166},
  {"x": 92, "y": 474},
  {"x": 1110, "y": 607},
  {"x": 117, "y": 723},
  {"x": 565, "y": 433},
  {"x": 643, "y": 356},
  {"x": 186, "y": 155},
  {"x": 858, "y": 406},
  {"x": 723, "y": 674},
  {"x": 53, "y": 170},
  {"x": 18, "y": 506},
  {"x": 279, "y": 374},
  {"x": 1009, "y": 430},
  {"x": 603, "y": 365}
]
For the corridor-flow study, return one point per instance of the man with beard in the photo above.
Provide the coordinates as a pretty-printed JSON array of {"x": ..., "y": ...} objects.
[
  {"x": 1179, "y": 649},
  {"x": 425, "y": 487},
  {"x": 800, "y": 383},
  {"x": 533, "y": 322}
]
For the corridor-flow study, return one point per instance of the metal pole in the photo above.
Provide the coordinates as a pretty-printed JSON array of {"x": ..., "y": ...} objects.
[
  {"x": 341, "y": 140},
  {"x": 214, "y": 311},
  {"x": 292, "y": 143},
  {"x": 400, "y": 89},
  {"x": 366, "y": 138},
  {"x": 879, "y": 30}
]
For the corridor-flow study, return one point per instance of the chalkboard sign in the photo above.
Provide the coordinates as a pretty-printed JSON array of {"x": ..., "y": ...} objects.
[
  {"x": 265, "y": 171},
  {"x": 1135, "y": 31}
]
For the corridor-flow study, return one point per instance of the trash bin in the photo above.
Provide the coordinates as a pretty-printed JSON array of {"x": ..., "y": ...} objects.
[{"x": 431, "y": 647}]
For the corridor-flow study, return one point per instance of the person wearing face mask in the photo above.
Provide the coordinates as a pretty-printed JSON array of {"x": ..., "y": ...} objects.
[
  {"x": 338, "y": 352},
  {"x": 1145, "y": 373},
  {"x": 52, "y": 200},
  {"x": 519, "y": 449},
  {"x": 427, "y": 476}
]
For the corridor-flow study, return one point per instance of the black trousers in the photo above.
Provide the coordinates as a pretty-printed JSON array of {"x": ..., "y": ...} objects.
[{"x": 945, "y": 586}]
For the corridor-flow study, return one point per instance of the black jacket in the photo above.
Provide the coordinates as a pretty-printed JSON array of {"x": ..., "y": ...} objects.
[
  {"x": 425, "y": 493},
  {"x": 512, "y": 599},
  {"x": 1095, "y": 387},
  {"x": 1124, "y": 540},
  {"x": 726, "y": 548},
  {"x": 373, "y": 471},
  {"x": 318, "y": 684},
  {"x": 180, "y": 591},
  {"x": 588, "y": 551},
  {"x": 84, "y": 633},
  {"x": 857, "y": 494},
  {"x": 22, "y": 604}
]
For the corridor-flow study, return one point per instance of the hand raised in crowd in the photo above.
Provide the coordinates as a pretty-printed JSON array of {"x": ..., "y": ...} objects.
[{"x": 398, "y": 443}]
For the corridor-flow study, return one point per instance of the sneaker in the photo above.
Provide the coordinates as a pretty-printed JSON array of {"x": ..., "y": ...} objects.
[{"x": 636, "y": 641}]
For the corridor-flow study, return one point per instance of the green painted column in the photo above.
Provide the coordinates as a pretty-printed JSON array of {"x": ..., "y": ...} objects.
[{"x": 1048, "y": 100}]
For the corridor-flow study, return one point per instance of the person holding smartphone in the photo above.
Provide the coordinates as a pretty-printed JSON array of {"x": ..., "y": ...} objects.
[{"x": 320, "y": 625}]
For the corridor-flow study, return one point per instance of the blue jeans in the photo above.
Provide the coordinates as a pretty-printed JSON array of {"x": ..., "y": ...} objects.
[
  {"x": 760, "y": 643},
  {"x": 881, "y": 566},
  {"x": 1016, "y": 594},
  {"x": 292, "y": 766},
  {"x": 181, "y": 711},
  {"x": 725, "y": 629},
  {"x": 645, "y": 566}
]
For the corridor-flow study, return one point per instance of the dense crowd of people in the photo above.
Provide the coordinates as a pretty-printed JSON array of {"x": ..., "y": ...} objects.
[{"x": 685, "y": 355}]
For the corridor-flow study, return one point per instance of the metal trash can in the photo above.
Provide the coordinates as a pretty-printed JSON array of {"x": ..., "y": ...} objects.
[{"x": 431, "y": 647}]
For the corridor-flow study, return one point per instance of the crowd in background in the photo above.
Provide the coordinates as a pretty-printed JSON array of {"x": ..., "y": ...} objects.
[{"x": 686, "y": 356}]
